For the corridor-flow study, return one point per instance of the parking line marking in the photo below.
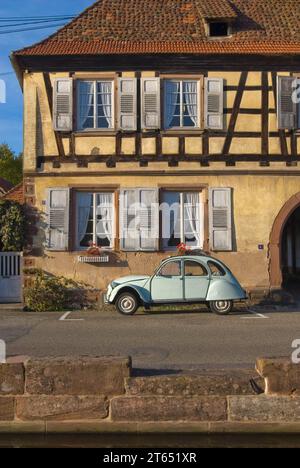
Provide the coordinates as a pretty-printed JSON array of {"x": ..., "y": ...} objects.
[
  {"x": 257, "y": 315},
  {"x": 65, "y": 316}
]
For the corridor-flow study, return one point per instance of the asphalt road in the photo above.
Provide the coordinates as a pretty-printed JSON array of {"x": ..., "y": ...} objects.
[{"x": 159, "y": 340}]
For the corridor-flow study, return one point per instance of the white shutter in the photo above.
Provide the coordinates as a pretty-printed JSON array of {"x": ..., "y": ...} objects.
[
  {"x": 214, "y": 103},
  {"x": 127, "y": 104},
  {"x": 139, "y": 219},
  {"x": 128, "y": 220},
  {"x": 149, "y": 219},
  {"x": 58, "y": 219},
  {"x": 150, "y": 103},
  {"x": 63, "y": 104},
  {"x": 220, "y": 219},
  {"x": 286, "y": 108}
]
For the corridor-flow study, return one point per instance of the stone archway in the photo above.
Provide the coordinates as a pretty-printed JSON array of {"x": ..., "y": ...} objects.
[{"x": 275, "y": 271}]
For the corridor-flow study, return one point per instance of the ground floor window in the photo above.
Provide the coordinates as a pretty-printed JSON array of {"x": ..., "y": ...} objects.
[
  {"x": 182, "y": 219},
  {"x": 148, "y": 219},
  {"x": 95, "y": 219}
]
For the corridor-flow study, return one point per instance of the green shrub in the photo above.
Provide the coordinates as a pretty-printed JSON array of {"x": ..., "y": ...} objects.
[
  {"x": 12, "y": 226},
  {"x": 48, "y": 293}
]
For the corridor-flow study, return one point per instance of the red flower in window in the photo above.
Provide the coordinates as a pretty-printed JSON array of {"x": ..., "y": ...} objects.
[
  {"x": 93, "y": 249},
  {"x": 183, "y": 248}
]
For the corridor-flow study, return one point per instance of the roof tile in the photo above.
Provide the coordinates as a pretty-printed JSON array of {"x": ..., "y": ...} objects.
[{"x": 176, "y": 26}]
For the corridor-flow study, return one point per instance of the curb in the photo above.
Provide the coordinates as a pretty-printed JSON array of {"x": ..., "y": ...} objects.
[{"x": 94, "y": 427}]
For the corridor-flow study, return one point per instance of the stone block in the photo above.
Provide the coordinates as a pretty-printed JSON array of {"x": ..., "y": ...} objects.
[
  {"x": 205, "y": 383},
  {"x": 77, "y": 376},
  {"x": 264, "y": 408},
  {"x": 148, "y": 408},
  {"x": 12, "y": 379},
  {"x": 61, "y": 408},
  {"x": 282, "y": 377},
  {"x": 7, "y": 408}
]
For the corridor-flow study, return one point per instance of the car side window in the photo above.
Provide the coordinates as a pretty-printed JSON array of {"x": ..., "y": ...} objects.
[
  {"x": 171, "y": 269},
  {"x": 192, "y": 268},
  {"x": 215, "y": 269}
]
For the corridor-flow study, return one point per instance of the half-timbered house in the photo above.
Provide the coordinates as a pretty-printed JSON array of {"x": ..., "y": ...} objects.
[{"x": 186, "y": 102}]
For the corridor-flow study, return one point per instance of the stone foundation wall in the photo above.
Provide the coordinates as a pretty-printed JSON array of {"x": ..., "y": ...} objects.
[{"x": 99, "y": 390}]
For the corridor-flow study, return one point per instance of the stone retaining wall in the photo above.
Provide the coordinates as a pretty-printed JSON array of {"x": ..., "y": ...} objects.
[{"x": 98, "y": 390}]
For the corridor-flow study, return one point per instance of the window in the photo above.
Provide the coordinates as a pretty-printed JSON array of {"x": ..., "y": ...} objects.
[
  {"x": 218, "y": 29},
  {"x": 171, "y": 269},
  {"x": 95, "y": 219},
  {"x": 182, "y": 104},
  {"x": 192, "y": 268},
  {"x": 182, "y": 219},
  {"x": 95, "y": 105},
  {"x": 215, "y": 269}
]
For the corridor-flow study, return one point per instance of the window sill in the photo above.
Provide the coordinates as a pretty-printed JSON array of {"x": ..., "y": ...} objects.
[
  {"x": 183, "y": 131},
  {"x": 89, "y": 133}
]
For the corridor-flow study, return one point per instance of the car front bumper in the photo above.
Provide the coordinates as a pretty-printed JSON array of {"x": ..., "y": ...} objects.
[
  {"x": 107, "y": 295},
  {"x": 105, "y": 300}
]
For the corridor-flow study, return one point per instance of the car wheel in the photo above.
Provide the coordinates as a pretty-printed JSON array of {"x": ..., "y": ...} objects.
[
  {"x": 221, "y": 307},
  {"x": 127, "y": 304}
]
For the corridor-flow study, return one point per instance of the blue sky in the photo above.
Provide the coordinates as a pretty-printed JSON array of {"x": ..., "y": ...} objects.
[{"x": 11, "y": 113}]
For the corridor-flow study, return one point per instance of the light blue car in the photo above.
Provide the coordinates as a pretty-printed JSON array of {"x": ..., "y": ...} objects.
[{"x": 188, "y": 279}]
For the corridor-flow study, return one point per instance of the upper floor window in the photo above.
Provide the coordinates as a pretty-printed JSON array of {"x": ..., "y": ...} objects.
[
  {"x": 95, "y": 105},
  {"x": 182, "y": 104}
]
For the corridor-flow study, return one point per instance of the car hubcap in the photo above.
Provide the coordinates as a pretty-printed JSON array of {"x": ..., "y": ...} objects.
[
  {"x": 127, "y": 304},
  {"x": 222, "y": 305}
]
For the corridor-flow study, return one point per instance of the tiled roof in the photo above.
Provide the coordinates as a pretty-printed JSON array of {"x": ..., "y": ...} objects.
[
  {"x": 15, "y": 194},
  {"x": 213, "y": 9},
  {"x": 176, "y": 26},
  {"x": 5, "y": 186}
]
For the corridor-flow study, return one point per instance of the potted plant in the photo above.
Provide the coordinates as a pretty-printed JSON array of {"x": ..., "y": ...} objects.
[
  {"x": 93, "y": 250},
  {"x": 183, "y": 249}
]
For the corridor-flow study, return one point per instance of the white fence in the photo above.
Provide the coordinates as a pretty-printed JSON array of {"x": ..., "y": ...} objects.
[{"x": 10, "y": 277}]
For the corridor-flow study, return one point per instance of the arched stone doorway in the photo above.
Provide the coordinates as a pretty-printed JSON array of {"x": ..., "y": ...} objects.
[{"x": 275, "y": 252}]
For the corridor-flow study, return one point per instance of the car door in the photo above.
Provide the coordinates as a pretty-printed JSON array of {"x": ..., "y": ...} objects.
[
  {"x": 196, "y": 280},
  {"x": 167, "y": 284}
]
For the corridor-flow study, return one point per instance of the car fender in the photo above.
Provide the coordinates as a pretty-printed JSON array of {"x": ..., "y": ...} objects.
[
  {"x": 223, "y": 290},
  {"x": 142, "y": 293}
]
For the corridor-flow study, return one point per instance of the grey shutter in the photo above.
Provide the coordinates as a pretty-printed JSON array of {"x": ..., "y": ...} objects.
[
  {"x": 58, "y": 219},
  {"x": 127, "y": 104},
  {"x": 150, "y": 103},
  {"x": 214, "y": 103},
  {"x": 63, "y": 104},
  {"x": 128, "y": 220},
  {"x": 286, "y": 108},
  {"x": 149, "y": 219},
  {"x": 220, "y": 219}
]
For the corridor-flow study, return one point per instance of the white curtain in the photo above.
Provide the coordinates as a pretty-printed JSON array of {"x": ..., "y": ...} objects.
[
  {"x": 105, "y": 209},
  {"x": 84, "y": 203},
  {"x": 192, "y": 211},
  {"x": 104, "y": 88},
  {"x": 190, "y": 93},
  {"x": 86, "y": 101},
  {"x": 172, "y": 91}
]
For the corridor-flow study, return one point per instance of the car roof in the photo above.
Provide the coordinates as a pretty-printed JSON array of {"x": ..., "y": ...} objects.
[{"x": 203, "y": 257}]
